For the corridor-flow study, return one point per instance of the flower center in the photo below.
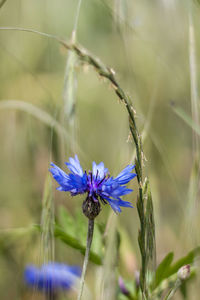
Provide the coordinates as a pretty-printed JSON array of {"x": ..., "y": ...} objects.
[{"x": 94, "y": 183}]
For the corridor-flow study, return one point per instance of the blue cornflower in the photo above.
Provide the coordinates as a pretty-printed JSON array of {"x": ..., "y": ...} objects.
[
  {"x": 98, "y": 184},
  {"x": 52, "y": 277}
]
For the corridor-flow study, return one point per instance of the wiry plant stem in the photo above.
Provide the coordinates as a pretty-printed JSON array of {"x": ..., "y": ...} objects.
[
  {"x": 195, "y": 172},
  {"x": 70, "y": 86},
  {"x": 76, "y": 21},
  {"x": 172, "y": 292},
  {"x": 193, "y": 82},
  {"x": 87, "y": 253}
]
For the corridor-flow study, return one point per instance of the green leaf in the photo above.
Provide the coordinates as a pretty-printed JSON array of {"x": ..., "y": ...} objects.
[
  {"x": 74, "y": 243},
  {"x": 150, "y": 228},
  {"x": 73, "y": 231},
  {"x": 188, "y": 259},
  {"x": 163, "y": 268},
  {"x": 66, "y": 221},
  {"x": 81, "y": 227},
  {"x": 97, "y": 246}
]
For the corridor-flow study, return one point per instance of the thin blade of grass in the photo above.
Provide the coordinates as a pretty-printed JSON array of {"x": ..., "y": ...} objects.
[
  {"x": 39, "y": 114},
  {"x": 70, "y": 83},
  {"x": 193, "y": 80},
  {"x": 69, "y": 98},
  {"x": 70, "y": 88},
  {"x": 186, "y": 118},
  {"x": 47, "y": 222},
  {"x": 36, "y": 112},
  {"x": 108, "y": 275}
]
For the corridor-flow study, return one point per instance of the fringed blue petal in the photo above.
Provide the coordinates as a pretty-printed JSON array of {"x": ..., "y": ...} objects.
[
  {"x": 74, "y": 166},
  {"x": 52, "y": 276},
  {"x": 73, "y": 182},
  {"x": 99, "y": 171},
  {"x": 125, "y": 175}
]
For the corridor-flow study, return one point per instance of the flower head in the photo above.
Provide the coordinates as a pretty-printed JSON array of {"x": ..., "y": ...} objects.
[
  {"x": 52, "y": 277},
  {"x": 98, "y": 184},
  {"x": 184, "y": 272}
]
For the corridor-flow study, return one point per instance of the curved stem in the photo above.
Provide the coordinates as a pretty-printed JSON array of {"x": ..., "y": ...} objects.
[
  {"x": 87, "y": 253},
  {"x": 76, "y": 21},
  {"x": 173, "y": 290}
]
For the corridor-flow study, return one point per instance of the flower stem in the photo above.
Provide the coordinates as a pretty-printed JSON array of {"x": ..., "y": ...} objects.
[
  {"x": 173, "y": 290},
  {"x": 87, "y": 253}
]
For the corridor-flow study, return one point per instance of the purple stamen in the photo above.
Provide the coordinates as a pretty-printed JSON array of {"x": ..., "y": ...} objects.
[
  {"x": 91, "y": 177},
  {"x": 101, "y": 181},
  {"x": 97, "y": 174}
]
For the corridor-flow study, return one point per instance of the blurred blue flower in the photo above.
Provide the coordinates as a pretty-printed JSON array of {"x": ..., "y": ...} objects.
[
  {"x": 52, "y": 277},
  {"x": 97, "y": 184}
]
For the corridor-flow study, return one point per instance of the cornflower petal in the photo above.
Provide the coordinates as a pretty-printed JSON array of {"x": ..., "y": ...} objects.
[
  {"x": 114, "y": 205},
  {"x": 125, "y": 176},
  {"x": 73, "y": 182},
  {"x": 74, "y": 166},
  {"x": 99, "y": 170},
  {"x": 60, "y": 176},
  {"x": 52, "y": 276}
]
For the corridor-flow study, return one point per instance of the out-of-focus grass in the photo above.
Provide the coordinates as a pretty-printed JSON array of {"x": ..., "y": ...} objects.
[{"x": 149, "y": 51}]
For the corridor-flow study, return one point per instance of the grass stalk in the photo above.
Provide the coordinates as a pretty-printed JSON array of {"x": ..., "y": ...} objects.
[
  {"x": 193, "y": 81},
  {"x": 70, "y": 83},
  {"x": 47, "y": 223},
  {"x": 195, "y": 172},
  {"x": 76, "y": 21},
  {"x": 108, "y": 276}
]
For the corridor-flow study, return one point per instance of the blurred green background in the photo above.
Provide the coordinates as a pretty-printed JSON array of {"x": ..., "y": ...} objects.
[{"x": 148, "y": 44}]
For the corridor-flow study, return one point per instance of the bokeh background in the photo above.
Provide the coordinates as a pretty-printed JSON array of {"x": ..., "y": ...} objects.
[{"x": 150, "y": 45}]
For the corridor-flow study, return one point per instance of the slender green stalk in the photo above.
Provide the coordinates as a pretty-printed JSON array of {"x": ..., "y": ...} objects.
[
  {"x": 193, "y": 81},
  {"x": 108, "y": 276},
  {"x": 76, "y": 21},
  {"x": 70, "y": 85},
  {"x": 87, "y": 253},
  {"x": 173, "y": 290},
  {"x": 47, "y": 224},
  {"x": 36, "y": 112},
  {"x": 166, "y": 284},
  {"x": 195, "y": 172}
]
